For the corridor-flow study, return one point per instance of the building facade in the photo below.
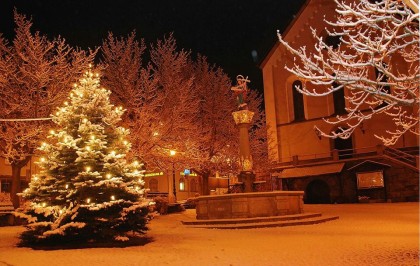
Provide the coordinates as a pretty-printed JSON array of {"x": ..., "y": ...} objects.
[
  {"x": 329, "y": 170},
  {"x": 157, "y": 182}
]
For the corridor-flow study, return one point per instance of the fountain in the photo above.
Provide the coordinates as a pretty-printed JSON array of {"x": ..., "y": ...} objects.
[{"x": 248, "y": 203}]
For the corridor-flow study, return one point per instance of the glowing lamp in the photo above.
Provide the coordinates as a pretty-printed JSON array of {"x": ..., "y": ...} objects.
[
  {"x": 88, "y": 200},
  {"x": 112, "y": 197}
]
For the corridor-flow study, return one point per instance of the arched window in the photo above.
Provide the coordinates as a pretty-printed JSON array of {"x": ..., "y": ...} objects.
[
  {"x": 182, "y": 184},
  {"x": 193, "y": 185},
  {"x": 339, "y": 101},
  {"x": 153, "y": 185},
  {"x": 344, "y": 147},
  {"x": 298, "y": 105}
]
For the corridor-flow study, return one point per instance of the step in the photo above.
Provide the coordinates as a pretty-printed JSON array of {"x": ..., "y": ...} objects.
[
  {"x": 253, "y": 220},
  {"x": 305, "y": 221}
]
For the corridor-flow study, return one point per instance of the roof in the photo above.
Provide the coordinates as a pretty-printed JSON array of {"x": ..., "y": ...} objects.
[
  {"x": 311, "y": 170},
  {"x": 368, "y": 162}
]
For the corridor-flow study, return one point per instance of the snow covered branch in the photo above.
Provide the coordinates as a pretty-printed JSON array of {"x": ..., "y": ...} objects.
[{"x": 376, "y": 62}]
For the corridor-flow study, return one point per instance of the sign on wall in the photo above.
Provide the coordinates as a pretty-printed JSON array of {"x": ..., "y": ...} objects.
[{"x": 369, "y": 180}]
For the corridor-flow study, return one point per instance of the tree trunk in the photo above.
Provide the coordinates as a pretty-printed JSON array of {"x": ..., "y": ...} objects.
[
  {"x": 15, "y": 185},
  {"x": 205, "y": 185},
  {"x": 16, "y": 188}
]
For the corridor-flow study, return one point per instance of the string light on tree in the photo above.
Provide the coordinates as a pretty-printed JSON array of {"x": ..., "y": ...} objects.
[{"x": 86, "y": 146}]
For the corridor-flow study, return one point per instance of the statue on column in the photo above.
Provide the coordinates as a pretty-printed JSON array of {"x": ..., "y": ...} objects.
[
  {"x": 243, "y": 119},
  {"x": 241, "y": 91}
]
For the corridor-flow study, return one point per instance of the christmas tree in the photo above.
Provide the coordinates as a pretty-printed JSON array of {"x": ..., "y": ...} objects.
[{"x": 86, "y": 190}]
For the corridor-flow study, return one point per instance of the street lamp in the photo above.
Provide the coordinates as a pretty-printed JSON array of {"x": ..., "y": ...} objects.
[{"x": 172, "y": 153}]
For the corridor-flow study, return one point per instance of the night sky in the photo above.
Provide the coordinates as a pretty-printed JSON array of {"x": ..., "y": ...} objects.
[{"x": 233, "y": 34}]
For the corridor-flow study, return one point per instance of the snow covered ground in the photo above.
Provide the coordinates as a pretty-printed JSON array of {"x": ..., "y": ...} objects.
[{"x": 365, "y": 234}]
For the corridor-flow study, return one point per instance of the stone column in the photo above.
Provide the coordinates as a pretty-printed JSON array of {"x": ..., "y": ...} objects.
[{"x": 243, "y": 120}]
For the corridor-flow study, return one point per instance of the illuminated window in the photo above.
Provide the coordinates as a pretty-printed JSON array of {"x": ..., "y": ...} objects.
[{"x": 182, "y": 184}]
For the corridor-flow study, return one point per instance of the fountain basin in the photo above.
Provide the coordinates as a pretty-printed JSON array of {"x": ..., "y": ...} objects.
[{"x": 249, "y": 205}]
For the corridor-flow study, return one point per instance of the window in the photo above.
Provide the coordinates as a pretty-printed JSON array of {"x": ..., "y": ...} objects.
[
  {"x": 344, "y": 146},
  {"x": 153, "y": 185},
  {"x": 298, "y": 105},
  {"x": 5, "y": 186},
  {"x": 339, "y": 101},
  {"x": 333, "y": 41},
  {"x": 182, "y": 184}
]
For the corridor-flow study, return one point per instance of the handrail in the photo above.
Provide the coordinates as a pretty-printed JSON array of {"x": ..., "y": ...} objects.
[
  {"x": 400, "y": 155},
  {"x": 352, "y": 154}
]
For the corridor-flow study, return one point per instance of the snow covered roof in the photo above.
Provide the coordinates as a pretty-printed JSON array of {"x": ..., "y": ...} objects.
[{"x": 311, "y": 170}]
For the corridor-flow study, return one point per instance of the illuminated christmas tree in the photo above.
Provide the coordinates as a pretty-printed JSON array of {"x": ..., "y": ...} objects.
[{"x": 86, "y": 190}]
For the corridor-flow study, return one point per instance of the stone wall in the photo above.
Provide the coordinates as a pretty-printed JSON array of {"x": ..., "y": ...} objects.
[
  {"x": 248, "y": 205},
  {"x": 402, "y": 184}
]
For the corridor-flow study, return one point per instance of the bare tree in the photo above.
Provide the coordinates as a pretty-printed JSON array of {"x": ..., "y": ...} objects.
[
  {"x": 217, "y": 141},
  {"x": 376, "y": 61},
  {"x": 35, "y": 76},
  {"x": 175, "y": 102},
  {"x": 258, "y": 135},
  {"x": 158, "y": 97}
]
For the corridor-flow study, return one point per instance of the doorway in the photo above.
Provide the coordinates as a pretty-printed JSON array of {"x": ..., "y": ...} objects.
[{"x": 317, "y": 192}]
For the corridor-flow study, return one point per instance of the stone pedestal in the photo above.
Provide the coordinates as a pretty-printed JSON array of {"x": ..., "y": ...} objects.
[
  {"x": 243, "y": 120},
  {"x": 249, "y": 205}
]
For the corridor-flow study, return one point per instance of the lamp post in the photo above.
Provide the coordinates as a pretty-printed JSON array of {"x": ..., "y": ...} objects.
[{"x": 172, "y": 153}]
